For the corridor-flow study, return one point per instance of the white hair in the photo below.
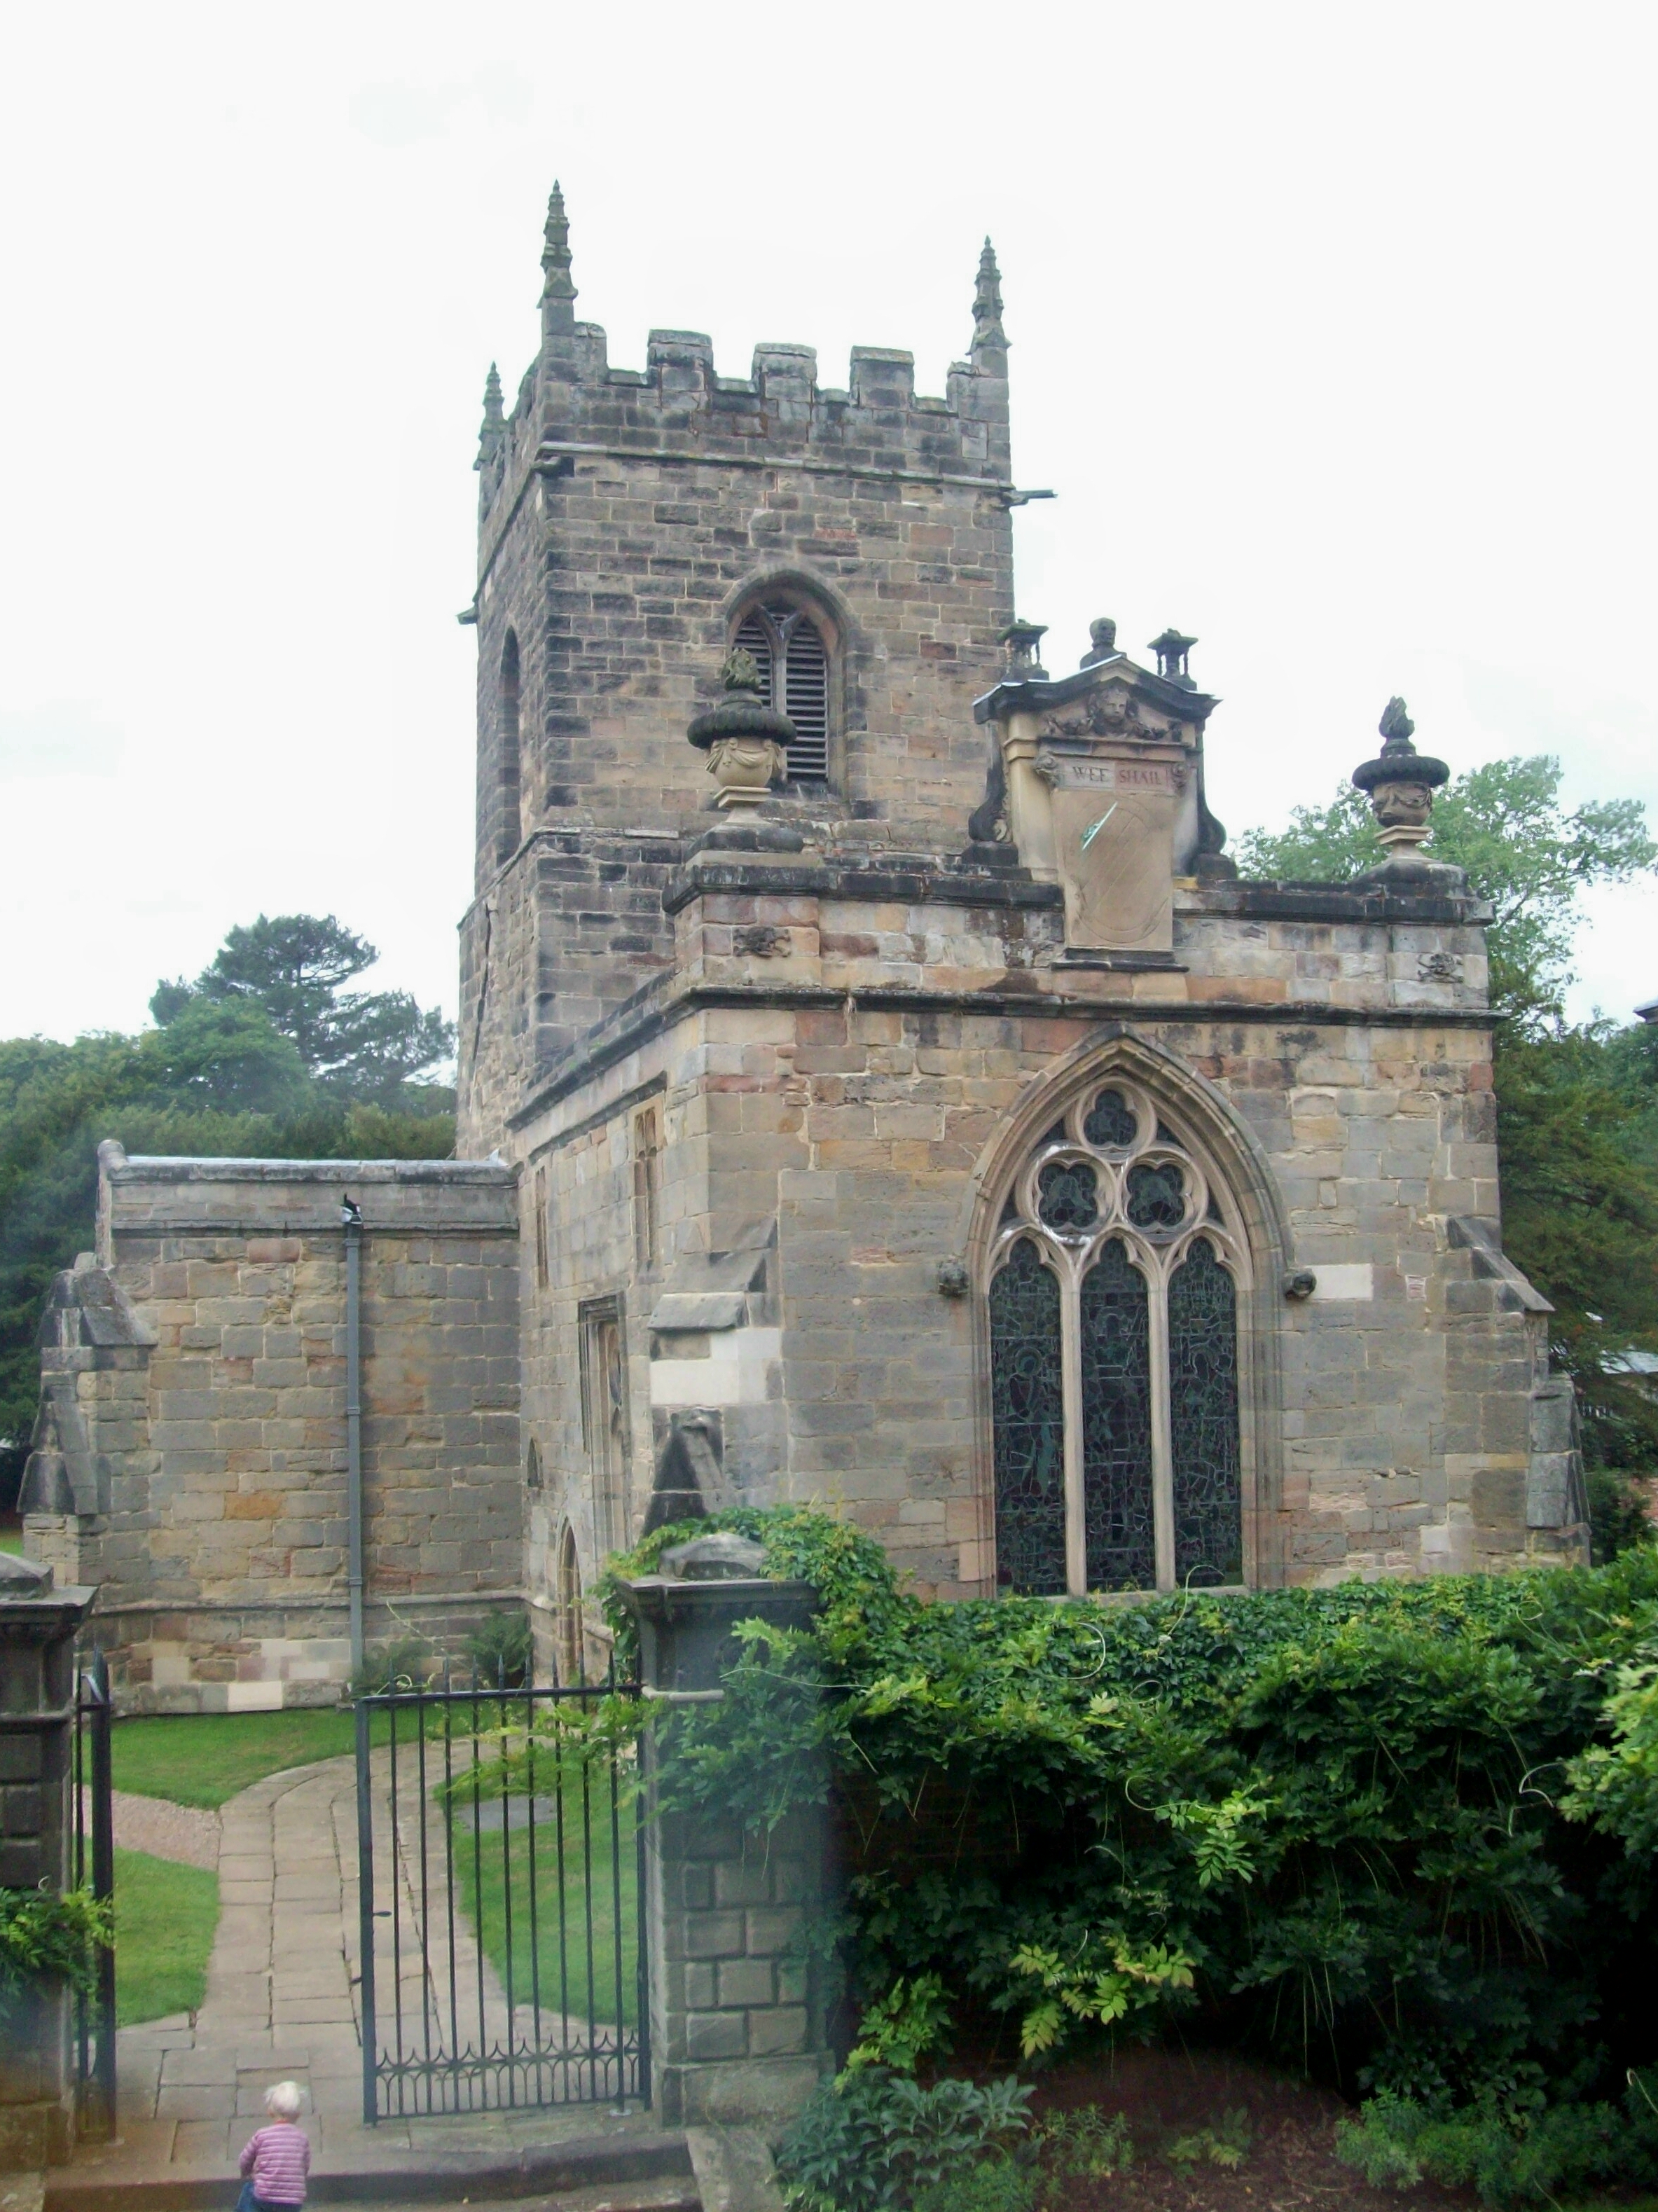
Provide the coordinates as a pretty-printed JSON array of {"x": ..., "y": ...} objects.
[{"x": 283, "y": 2101}]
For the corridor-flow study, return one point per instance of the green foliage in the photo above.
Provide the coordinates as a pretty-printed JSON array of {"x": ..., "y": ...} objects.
[
  {"x": 1615, "y": 1785},
  {"x": 47, "y": 1935},
  {"x": 1619, "y": 1514},
  {"x": 366, "y": 1045},
  {"x": 1579, "y": 1216},
  {"x": 902, "y": 2025},
  {"x": 1085, "y": 2145},
  {"x": 403, "y": 1662},
  {"x": 873, "y": 2140},
  {"x": 1330, "y": 1825},
  {"x": 501, "y": 1651},
  {"x": 1226, "y": 2144},
  {"x": 1577, "y": 1108},
  {"x": 261, "y": 1058},
  {"x": 1509, "y": 2143},
  {"x": 994, "y": 2185},
  {"x": 1098, "y": 1989},
  {"x": 1523, "y": 849}
]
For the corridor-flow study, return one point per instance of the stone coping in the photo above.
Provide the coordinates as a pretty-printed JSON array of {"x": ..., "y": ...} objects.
[{"x": 161, "y": 1167}]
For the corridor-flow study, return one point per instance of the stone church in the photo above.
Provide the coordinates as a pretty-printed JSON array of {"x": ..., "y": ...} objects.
[{"x": 876, "y": 1088}]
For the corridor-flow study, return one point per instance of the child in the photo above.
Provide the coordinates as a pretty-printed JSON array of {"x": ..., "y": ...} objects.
[{"x": 277, "y": 2159}]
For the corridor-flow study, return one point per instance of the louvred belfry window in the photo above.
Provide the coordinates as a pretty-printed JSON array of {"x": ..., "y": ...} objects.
[
  {"x": 1114, "y": 1353},
  {"x": 794, "y": 674}
]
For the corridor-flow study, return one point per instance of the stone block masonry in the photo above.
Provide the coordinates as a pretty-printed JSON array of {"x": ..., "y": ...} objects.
[
  {"x": 777, "y": 1093},
  {"x": 627, "y": 519},
  {"x": 197, "y": 1470},
  {"x": 850, "y": 1085},
  {"x": 736, "y": 2017}
]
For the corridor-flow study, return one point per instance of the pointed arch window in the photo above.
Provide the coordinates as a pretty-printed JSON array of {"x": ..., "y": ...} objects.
[
  {"x": 569, "y": 1654},
  {"x": 794, "y": 673},
  {"x": 1114, "y": 1353},
  {"x": 510, "y": 823}
]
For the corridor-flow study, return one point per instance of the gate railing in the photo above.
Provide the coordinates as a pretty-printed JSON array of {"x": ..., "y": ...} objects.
[
  {"x": 501, "y": 1871},
  {"x": 94, "y": 1868}
]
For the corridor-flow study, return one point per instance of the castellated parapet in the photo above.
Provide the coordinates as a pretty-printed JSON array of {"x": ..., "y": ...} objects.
[{"x": 627, "y": 519}]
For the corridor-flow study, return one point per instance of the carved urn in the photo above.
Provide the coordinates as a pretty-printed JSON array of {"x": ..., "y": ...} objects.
[
  {"x": 1401, "y": 783},
  {"x": 742, "y": 737}
]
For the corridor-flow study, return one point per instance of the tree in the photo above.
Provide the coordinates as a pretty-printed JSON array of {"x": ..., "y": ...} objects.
[
  {"x": 225, "y": 1055},
  {"x": 369, "y": 1045},
  {"x": 263, "y": 1056},
  {"x": 1522, "y": 850},
  {"x": 1576, "y": 1107}
]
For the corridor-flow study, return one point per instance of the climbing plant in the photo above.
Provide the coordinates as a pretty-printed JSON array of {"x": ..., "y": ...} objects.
[{"x": 1390, "y": 1833}]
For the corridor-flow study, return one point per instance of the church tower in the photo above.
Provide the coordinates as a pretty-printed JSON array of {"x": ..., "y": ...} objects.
[{"x": 634, "y": 526}]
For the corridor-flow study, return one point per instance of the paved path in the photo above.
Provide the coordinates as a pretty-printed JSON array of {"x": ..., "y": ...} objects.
[{"x": 282, "y": 2000}]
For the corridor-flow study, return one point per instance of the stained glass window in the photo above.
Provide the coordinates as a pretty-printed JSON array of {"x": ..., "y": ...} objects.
[
  {"x": 1124, "y": 1249},
  {"x": 1028, "y": 1399},
  {"x": 1203, "y": 1406},
  {"x": 1116, "y": 1379},
  {"x": 1157, "y": 1195},
  {"x": 1111, "y": 1123},
  {"x": 1066, "y": 1198}
]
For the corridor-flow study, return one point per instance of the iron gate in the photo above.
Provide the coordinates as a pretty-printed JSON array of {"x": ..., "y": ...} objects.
[
  {"x": 502, "y": 1867},
  {"x": 94, "y": 1868}
]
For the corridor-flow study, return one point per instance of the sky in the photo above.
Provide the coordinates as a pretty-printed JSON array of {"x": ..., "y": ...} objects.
[{"x": 1333, "y": 329}]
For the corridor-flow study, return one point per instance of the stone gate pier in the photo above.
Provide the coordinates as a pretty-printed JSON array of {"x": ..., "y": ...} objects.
[
  {"x": 739, "y": 2032},
  {"x": 38, "y": 1627}
]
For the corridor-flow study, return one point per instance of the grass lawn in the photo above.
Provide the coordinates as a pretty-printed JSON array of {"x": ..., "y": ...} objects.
[
  {"x": 202, "y": 1759},
  {"x": 165, "y": 1917},
  {"x": 553, "y": 1942}
]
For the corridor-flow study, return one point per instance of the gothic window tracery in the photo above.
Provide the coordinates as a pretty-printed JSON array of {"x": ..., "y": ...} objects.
[
  {"x": 788, "y": 647},
  {"x": 1112, "y": 1295}
]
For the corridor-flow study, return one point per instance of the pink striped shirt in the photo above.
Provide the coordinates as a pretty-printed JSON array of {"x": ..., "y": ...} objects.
[{"x": 278, "y": 2158}]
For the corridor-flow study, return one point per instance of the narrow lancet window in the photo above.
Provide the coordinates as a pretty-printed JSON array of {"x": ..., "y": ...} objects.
[
  {"x": 1025, "y": 1362},
  {"x": 1116, "y": 1417},
  {"x": 1202, "y": 1405}
]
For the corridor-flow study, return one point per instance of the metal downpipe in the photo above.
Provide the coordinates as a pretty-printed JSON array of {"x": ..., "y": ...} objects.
[{"x": 351, "y": 1221}]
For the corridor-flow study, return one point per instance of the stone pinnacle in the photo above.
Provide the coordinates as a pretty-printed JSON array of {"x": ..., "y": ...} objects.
[
  {"x": 558, "y": 293},
  {"x": 987, "y": 303}
]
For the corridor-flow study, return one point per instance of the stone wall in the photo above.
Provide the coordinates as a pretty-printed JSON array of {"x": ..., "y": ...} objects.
[
  {"x": 853, "y": 1089},
  {"x": 194, "y": 1463}
]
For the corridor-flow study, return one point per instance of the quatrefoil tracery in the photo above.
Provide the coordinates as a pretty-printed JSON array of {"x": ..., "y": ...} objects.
[{"x": 1111, "y": 1167}]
